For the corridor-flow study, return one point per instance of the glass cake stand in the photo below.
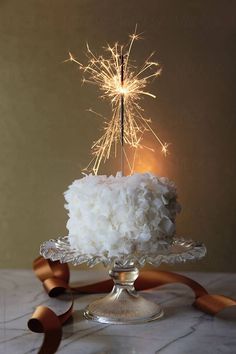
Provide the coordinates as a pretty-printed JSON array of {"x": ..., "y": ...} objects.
[{"x": 124, "y": 305}]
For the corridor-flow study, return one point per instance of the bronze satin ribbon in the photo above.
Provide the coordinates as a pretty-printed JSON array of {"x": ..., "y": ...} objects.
[{"x": 55, "y": 279}]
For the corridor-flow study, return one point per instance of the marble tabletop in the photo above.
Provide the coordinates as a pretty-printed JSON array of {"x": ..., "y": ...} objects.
[{"x": 182, "y": 330}]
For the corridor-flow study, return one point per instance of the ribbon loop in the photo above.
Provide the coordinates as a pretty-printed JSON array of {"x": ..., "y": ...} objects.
[
  {"x": 151, "y": 279},
  {"x": 54, "y": 275},
  {"x": 54, "y": 286}
]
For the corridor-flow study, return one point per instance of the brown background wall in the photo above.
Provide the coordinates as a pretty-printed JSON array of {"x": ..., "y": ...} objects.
[{"x": 46, "y": 132}]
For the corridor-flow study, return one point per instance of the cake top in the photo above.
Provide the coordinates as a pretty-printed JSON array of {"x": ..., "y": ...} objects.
[{"x": 120, "y": 214}]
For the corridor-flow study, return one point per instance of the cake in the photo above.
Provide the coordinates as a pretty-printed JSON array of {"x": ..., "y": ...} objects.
[{"x": 113, "y": 215}]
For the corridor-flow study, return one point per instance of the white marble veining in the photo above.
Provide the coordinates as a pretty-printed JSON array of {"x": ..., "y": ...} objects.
[{"x": 182, "y": 330}]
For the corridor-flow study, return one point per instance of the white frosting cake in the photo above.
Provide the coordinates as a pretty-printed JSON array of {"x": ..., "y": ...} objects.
[{"x": 121, "y": 214}]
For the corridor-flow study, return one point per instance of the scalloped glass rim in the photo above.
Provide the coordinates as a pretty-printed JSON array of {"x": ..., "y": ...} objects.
[{"x": 180, "y": 250}]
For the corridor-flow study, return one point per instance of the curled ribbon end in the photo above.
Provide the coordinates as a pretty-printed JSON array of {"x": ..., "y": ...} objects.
[
  {"x": 46, "y": 321},
  {"x": 35, "y": 325}
]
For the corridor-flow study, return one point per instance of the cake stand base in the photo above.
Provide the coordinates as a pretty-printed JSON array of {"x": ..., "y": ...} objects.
[{"x": 123, "y": 305}]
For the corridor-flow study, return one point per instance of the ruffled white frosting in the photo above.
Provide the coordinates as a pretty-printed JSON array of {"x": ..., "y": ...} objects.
[{"x": 121, "y": 214}]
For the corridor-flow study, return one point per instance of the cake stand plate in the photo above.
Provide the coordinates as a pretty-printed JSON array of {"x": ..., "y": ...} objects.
[
  {"x": 124, "y": 305},
  {"x": 180, "y": 250}
]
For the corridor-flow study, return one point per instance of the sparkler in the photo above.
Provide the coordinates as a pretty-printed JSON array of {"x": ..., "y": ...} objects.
[{"x": 124, "y": 85}]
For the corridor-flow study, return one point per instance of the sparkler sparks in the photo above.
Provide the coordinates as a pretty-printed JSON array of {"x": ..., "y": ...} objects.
[{"x": 105, "y": 72}]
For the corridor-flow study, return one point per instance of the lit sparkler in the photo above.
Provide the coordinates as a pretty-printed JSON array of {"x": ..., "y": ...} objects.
[{"x": 124, "y": 85}]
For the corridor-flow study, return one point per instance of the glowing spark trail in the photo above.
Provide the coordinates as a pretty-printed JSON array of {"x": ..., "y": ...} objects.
[{"x": 105, "y": 72}]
